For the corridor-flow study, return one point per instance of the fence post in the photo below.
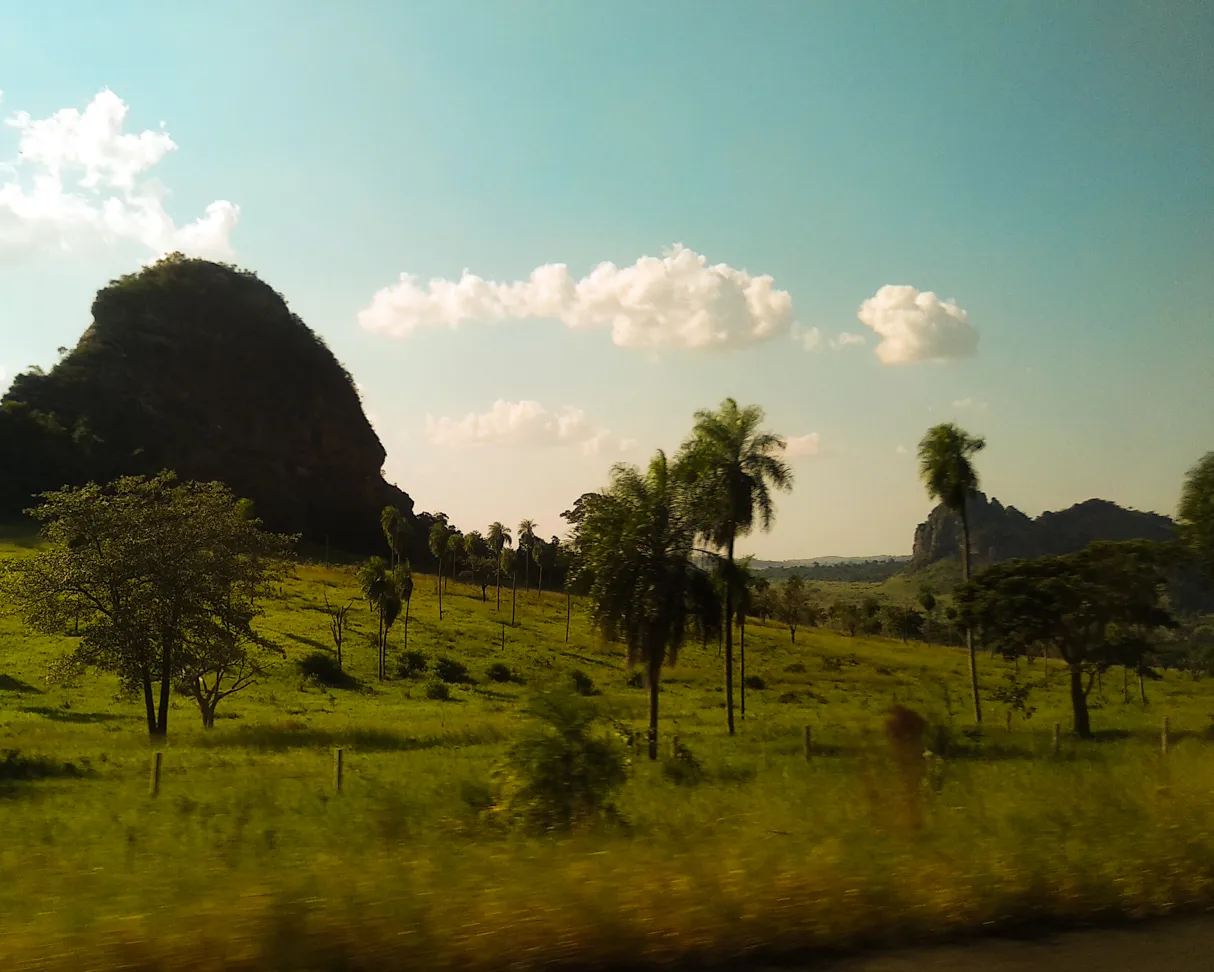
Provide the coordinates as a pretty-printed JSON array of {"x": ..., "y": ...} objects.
[
  {"x": 1057, "y": 739},
  {"x": 337, "y": 767},
  {"x": 154, "y": 782},
  {"x": 1163, "y": 737},
  {"x": 809, "y": 750}
]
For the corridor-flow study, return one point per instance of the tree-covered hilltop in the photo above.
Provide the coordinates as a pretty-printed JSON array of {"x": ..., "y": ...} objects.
[{"x": 202, "y": 368}]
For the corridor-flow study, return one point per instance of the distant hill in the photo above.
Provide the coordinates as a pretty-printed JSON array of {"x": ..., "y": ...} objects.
[
  {"x": 1001, "y": 532},
  {"x": 845, "y": 569},
  {"x": 826, "y": 561},
  {"x": 202, "y": 368}
]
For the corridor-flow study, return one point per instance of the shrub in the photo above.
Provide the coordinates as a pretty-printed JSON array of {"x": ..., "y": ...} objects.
[
  {"x": 500, "y": 673},
  {"x": 562, "y": 772},
  {"x": 583, "y": 684},
  {"x": 451, "y": 671},
  {"x": 682, "y": 768},
  {"x": 438, "y": 692},
  {"x": 412, "y": 664},
  {"x": 322, "y": 666},
  {"x": 635, "y": 679},
  {"x": 795, "y": 668},
  {"x": 755, "y": 682}
]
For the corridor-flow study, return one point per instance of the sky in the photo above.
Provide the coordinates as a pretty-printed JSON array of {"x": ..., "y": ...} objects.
[{"x": 541, "y": 235}]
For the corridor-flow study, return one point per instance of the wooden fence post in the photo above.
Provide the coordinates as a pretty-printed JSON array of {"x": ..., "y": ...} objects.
[
  {"x": 809, "y": 749},
  {"x": 337, "y": 768},
  {"x": 154, "y": 782},
  {"x": 1163, "y": 737},
  {"x": 1057, "y": 739}
]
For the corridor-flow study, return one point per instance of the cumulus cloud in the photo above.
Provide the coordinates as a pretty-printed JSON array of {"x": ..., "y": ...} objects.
[
  {"x": 526, "y": 424},
  {"x": 800, "y": 446},
  {"x": 677, "y": 300},
  {"x": 846, "y": 339},
  {"x": 78, "y": 181},
  {"x": 917, "y": 325},
  {"x": 809, "y": 338}
]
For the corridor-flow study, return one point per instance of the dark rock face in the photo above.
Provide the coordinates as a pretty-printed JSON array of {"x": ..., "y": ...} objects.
[
  {"x": 201, "y": 368},
  {"x": 1001, "y": 532}
]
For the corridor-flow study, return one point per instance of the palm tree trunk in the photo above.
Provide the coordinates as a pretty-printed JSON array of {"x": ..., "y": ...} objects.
[
  {"x": 499, "y": 581},
  {"x": 1142, "y": 686},
  {"x": 379, "y": 642},
  {"x": 440, "y": 588},
  {"x": 969, "y": 633},
  {"x": 1079, "y": 704},
  {"x": 729, "y": 638},
  {"x": 568, "y": 612},
  {"x": 540, "y": 584},
  {"x": 405, "y": 644},
  {"x": 742, "y": 652},
  {"x": 513, "y": 597},
  {"x": 655, "y": 668}
]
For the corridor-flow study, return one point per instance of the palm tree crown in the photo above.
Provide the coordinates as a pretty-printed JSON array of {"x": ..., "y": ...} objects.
[{"x": 944, "y": 464}]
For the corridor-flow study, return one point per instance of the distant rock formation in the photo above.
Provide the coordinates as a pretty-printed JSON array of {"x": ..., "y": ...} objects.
[
  {"x": 999, "y": 532},
  {"x": 202, "y": 368}
]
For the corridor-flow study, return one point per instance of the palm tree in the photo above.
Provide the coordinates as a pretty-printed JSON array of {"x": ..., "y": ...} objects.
[
  {"x": 950, "y": 477},
  {"x": 404, "y": 588},
  {"x": 439, "y": 537},
  {"x": 731, "y": 466},
  {"x": 526, "y": 537},
  {"x": 379, "y": 587},
  {"x": 389, "y": 521},
  {"x": 636, "y": 544},
  {"x": 498, "y": 537},
  {"x": 537, "y": 554}
]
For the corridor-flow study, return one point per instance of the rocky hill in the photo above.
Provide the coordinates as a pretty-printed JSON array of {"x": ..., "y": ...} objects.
[
  {"x": 1001, "y": 532},
  {"x": 203, "y": 369}
]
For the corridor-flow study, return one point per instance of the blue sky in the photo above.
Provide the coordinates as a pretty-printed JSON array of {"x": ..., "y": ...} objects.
[{"x": 1037, "y": 176}]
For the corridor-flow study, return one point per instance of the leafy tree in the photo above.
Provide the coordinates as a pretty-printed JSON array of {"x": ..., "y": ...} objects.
[
  {"x": 847, "y": 615},
  {"x": 949, "y": 475},
  {"x": 455, "y": 550},
  {"x": 566, "y": 561},
  {"x": 537, "y": 554},
  {"x": 793, "y": 605},
  {"x": 526, "y": 537},
  {"x": 763, "y": 598},
  {"x": 498, "y": 538},
  {"x": 636, "y": 541},
  {"x": 508, "y": 564},
  {"x": 731, "y": 466},
  {"x": 164, "y": 579},
  {"x": 1195, "y": 519},
  {"x": 338, "y": 617},
  {"x": 903, "y": 622},
  {"x": 927, "y": 601},
  {"x": 480, "y": 570},
  {"x": 440, "y": 537},
  {"x": 1089, "y": 608}
]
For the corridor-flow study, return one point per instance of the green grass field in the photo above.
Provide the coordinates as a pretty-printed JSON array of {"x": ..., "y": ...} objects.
[{"x": 248, "y": 859}]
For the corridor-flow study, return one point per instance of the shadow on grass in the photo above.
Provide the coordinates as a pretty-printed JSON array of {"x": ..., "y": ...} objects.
[
  {"x": 10, "y": 684},
  {"x": 280, "y": 738},
  {"x": 77, "y": 718},
  {"x": 310, "y": 642},
  {"x": 16, "y": 768}
]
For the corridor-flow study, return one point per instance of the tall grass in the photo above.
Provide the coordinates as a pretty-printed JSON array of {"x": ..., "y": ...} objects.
[{"x": 248, "y": 860}]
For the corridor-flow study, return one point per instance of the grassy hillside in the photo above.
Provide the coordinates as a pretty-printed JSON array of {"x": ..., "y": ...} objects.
[{"x": 249, "y": 860}]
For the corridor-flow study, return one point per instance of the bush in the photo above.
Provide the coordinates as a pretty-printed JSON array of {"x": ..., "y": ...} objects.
[
  {"x": 322, "y": 666},
  {"x": 755, "y": 682},
  {"x": 412, "y": 664},
  {"x": 451, "y": 671},
  {"x": 635, "y": 679},
  {"x": 500, "y": 673},
  {"x": 438, "y": 692},
  {"x": 583, "y": 684},
  {"x": 682, "y": 768},
  {"x": 562, "y": 773}
]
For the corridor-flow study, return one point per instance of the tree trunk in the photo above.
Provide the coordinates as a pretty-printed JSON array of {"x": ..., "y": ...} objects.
[
  {"x": 513, "y": 596},
  {"x": 654, "y": 673},
  {"x": 166, "y": 685},
  {"x": 499, "y": 582},
  {"x": 149, "y": 701},
  {"x": 568, "y": 612},
  {"x": 379, "y": 643},
  {"x": 792, "y": 633},
  {"x": 729, "y": 638},
  {"x": 969, "y": 634},
  {"x": 440, "y": 588},
  {"x": 527, "y": 571},
  {"x": 1079, "y": 703},
  {"x": 539, "y": 584},
  {"x": 742, "y": 653},
  {"x": 1142, "y": 686},
  {"x": 405, "y": 641}
]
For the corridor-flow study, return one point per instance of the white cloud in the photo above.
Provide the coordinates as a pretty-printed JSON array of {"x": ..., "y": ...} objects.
[
  {"x": 674, "y": 301},
  {"x": 78, "y": 182},
  {"x": 526, "y": 424},
  {"x": 846, "y": 339},
  {"x": 800, "y": 446},
  {"x": 969, "y": 405},
  {"x": 917, "y": 325},
  {"x": 809, "y": 338}
]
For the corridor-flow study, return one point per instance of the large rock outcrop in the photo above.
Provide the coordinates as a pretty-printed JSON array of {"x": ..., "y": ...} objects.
[
  {"x": 1001, "y": 532},
  {"x": 202, "y": 368}
]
